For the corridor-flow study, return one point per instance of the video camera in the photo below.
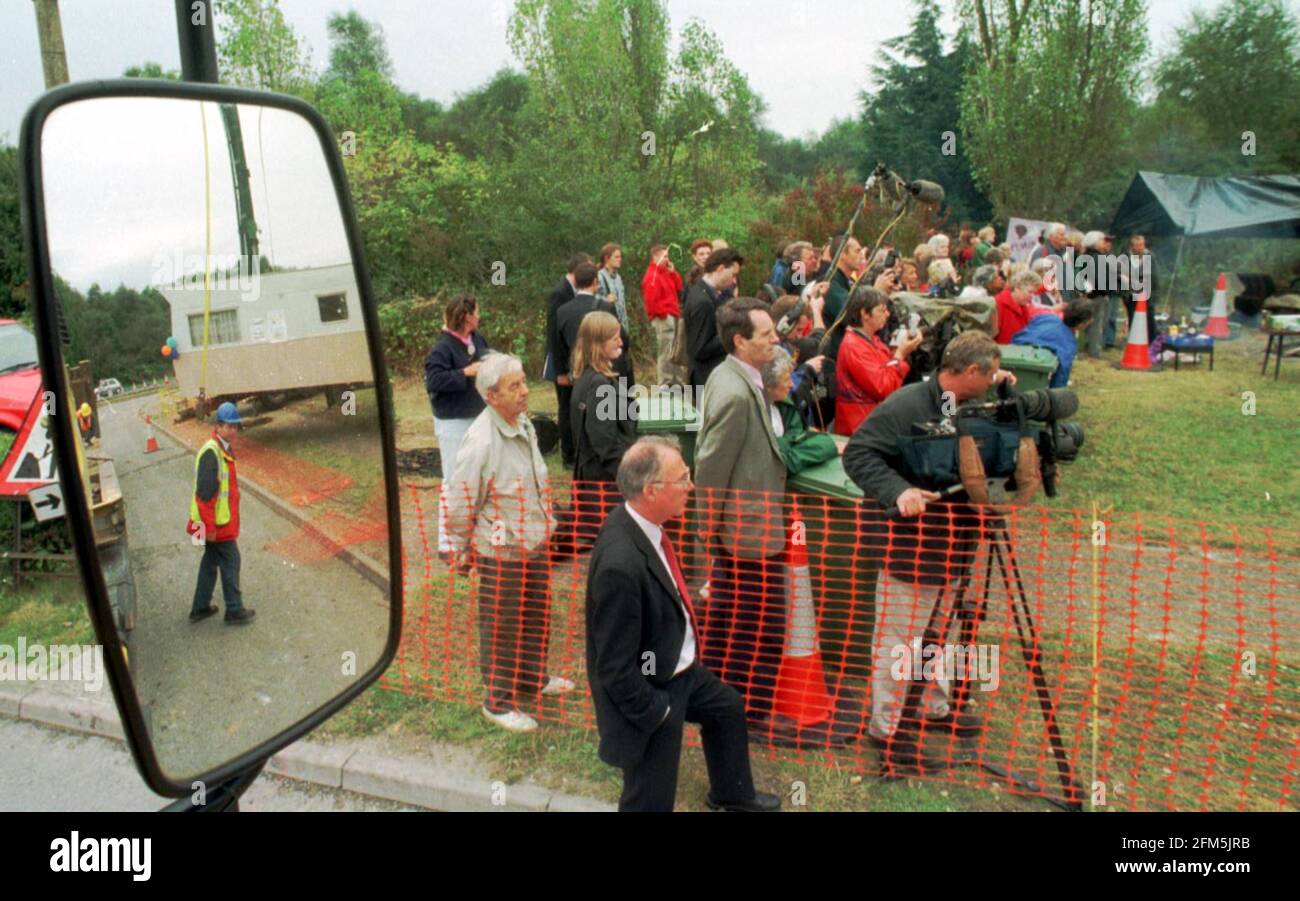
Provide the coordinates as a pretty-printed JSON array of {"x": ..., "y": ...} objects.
[{"x": 998, "y": 427}]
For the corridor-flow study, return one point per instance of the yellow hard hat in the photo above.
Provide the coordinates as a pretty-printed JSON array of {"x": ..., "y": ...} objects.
[{"x": 84, "y": 410}]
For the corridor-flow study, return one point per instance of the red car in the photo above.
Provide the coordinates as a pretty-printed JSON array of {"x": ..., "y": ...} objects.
[{"x": 20, "y": 373}]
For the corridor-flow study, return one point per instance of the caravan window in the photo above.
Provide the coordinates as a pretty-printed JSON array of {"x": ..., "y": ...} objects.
[
  {"x": 333, "y": 307},
  {"x": 223, "y": 328}
]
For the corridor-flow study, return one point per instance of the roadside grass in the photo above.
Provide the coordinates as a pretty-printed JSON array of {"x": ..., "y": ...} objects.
[{"x": 46, "y": 610}]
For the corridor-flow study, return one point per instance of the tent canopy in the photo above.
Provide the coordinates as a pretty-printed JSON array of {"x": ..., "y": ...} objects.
[{"x": 1159, "y": 205}]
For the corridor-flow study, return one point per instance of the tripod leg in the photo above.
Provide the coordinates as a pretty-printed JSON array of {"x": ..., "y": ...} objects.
[{"x": 1029, "y": 646}]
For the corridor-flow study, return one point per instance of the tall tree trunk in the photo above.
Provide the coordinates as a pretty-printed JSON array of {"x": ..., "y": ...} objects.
[{"x": 49, "y": 31}]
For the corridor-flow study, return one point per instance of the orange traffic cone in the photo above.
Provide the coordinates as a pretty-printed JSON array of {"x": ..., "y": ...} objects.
[
  {"x": 151, "y": 443},
  {"x": 1217, "y": 325},
  {"x": 800, "y": 683},
  {"x": 1136, "y": 354}
]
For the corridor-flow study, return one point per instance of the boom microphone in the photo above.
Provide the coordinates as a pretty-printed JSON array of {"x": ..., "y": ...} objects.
[{"x": 926, "y": 191}]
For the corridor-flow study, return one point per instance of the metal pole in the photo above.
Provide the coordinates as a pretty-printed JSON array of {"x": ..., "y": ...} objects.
[
  {"x": 198, "y": 46},
  {"x": 1169, "y": 291}
]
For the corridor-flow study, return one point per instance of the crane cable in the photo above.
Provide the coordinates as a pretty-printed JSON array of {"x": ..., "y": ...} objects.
[{"x": 207, "y": 251}]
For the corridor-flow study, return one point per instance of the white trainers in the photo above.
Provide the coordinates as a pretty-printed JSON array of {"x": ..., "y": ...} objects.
[
  {"x": 512, "y": 720},
  {"x": 558, "y": 685}
]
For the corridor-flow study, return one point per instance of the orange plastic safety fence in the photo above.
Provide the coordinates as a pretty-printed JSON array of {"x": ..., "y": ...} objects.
[{"x": 1125, "y": 662}]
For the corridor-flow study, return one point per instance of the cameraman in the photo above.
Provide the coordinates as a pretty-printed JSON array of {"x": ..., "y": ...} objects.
[{"x": 921, "y": 555}]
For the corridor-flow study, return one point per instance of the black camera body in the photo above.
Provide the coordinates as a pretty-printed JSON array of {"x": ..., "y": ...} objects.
[{"x": 997, "y": 427}]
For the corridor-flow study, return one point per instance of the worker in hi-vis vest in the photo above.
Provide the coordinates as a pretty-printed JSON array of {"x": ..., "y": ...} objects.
[{"x": 214, "y": 521}]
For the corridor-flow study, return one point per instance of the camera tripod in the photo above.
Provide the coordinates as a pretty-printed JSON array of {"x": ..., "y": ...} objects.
[{"x": 970, "y": 611}]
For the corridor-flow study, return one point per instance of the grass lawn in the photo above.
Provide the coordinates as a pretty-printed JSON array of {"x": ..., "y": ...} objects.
[{"x": 1178, "y": 444}]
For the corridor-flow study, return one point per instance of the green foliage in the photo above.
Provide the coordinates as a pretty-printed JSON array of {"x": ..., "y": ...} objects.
[
  {"x": 1233, "y": 70},
  {"x": 911, "y": 121},
  {"x": 356, "y": 46},
  {"x": 13, "y": 264},
  {"x": 1047, "y": 100},
  {"x": 152, "y": 70},
  {"x": 119, "y": 332},
  {"x": 257, "y": 48}
]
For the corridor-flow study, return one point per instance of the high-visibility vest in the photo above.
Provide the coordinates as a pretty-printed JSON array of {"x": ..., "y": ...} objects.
[{"x": 223, "y": 486}]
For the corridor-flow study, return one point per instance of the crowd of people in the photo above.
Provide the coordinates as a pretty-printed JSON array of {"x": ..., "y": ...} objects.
[{"x": 774, "y": 378}]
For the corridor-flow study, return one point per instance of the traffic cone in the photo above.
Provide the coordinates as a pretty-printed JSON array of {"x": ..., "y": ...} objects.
[
  {"x": 151, "y": 443},
  {"x": 800, "y": 682},
  {"x": 1136, "y": 354},
  {"x": 1217, "y": 325}
]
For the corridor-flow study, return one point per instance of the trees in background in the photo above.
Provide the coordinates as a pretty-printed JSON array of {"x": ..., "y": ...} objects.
[
  {"x": 910, "y": 121},
  {"x": 1048, "y": 100}
]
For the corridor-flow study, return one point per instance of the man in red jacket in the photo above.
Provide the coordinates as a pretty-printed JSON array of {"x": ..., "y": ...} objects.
[
  {"x": 214, "y": 521},
  {"x": 661, "y": 289}
]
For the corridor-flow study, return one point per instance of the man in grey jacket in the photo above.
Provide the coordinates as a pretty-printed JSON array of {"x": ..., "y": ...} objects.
[
  {"x": 738, "y": 462},
  {"x": 499, "y": 518}
]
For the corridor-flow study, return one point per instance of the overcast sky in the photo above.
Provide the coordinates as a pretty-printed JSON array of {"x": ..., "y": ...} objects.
[
  {"x": 132, "y": 212},
  {"x": 807, "y": 58}
]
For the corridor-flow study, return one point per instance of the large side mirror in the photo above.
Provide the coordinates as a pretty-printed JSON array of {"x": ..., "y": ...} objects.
[{"x": 199, "y": 241}]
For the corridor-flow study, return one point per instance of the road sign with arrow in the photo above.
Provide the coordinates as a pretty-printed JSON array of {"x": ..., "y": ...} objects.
[{"x": 47, "y": 501}]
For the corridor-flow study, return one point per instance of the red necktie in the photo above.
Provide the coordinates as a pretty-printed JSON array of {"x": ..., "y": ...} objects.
[{"x": 679, "y": 579}]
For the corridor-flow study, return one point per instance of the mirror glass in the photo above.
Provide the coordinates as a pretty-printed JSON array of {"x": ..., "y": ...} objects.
[{"x": 203, "y": 273}]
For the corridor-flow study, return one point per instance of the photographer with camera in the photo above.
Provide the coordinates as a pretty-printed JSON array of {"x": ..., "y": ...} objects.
[
  {"x": 921, "y": 555},
  {"x": 867, "y": 369}
]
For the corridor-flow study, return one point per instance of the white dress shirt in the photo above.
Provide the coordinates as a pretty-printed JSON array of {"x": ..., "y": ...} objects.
[{"x": 655, "y": 534}]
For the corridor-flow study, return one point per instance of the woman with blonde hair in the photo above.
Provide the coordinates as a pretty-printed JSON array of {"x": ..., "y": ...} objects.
[{"x": 603, "y": 419}]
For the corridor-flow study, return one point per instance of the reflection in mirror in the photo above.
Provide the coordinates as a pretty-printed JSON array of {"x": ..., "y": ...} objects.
[{"x": 235, "y": 466}]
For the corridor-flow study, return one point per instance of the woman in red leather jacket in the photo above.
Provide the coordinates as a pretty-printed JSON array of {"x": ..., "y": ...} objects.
[{"x": 867, "y": 369}]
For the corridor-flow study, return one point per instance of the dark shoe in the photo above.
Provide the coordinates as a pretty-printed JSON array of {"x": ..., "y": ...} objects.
[
  {"x": 762, "y": 802},
  {"x": 202, "y": 614},
  {"x": 966, "y": 724},
  {"x": 242, "y": 615},
  {"x": 903, "y": 757}
]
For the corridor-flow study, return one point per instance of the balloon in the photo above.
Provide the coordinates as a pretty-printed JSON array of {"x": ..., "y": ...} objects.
[
  {"x": 166, "y": 351},
  {"x": 171, "y": 342}
]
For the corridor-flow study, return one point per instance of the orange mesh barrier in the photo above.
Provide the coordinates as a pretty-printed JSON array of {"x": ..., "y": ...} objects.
[{"x": 1130, "y": 662}]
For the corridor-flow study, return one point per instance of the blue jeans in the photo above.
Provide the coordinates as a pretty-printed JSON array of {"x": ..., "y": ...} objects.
[
  {"x": 451, "y": 434},
  {"x": 223, "y": 556}
]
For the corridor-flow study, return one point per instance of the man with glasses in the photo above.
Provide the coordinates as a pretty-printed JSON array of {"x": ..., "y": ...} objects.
[{"x": 643, "y": 652}]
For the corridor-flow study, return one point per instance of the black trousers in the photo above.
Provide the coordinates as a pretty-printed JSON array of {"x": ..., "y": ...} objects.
[
  {"x": 696, "y": 696},
  {"x": 220, "y": 556},
  {"x": 514, "y": 611},
  {"x": 1131, "y": 306},
  {"x": 568, "y": 446},
  {"x": 743, "y": 626}
]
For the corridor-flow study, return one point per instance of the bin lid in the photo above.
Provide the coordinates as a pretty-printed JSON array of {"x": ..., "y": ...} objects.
[
  {"x": 1025, "y": 358},
  {"x": 662, "y": 412},
  {"x": 827, "y": 479}
]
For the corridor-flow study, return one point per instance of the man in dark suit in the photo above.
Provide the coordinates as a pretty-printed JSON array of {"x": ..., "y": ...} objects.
[
  {"x": 569, "y": 320},
  {"x": 642, "y": 651},
  {"x": 563, "y": 293},
  {"x": 705, "y": 297}
]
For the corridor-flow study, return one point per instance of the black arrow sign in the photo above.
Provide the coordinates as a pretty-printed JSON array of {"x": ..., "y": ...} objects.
[{"x": 52, "y": 501}]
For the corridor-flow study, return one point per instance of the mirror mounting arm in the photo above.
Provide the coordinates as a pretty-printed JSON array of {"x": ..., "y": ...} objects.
[
  {"x": 195, "y": 37},
  {"x": 222, "y": 798}
]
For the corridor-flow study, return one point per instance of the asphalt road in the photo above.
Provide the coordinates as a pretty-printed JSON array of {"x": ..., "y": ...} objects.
[
  {"x": 51, "y": 770},
  {"x": 210, "y": 689}
]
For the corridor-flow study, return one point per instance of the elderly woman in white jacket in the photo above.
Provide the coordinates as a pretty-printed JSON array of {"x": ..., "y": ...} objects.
[{"x": 499, "y": 519}]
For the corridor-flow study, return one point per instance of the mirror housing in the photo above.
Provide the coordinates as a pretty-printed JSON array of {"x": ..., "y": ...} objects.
[{"x": 52, "y": 336}]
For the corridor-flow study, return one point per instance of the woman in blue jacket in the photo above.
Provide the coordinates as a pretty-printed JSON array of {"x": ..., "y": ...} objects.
[{"x": 449, "y": 372}]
